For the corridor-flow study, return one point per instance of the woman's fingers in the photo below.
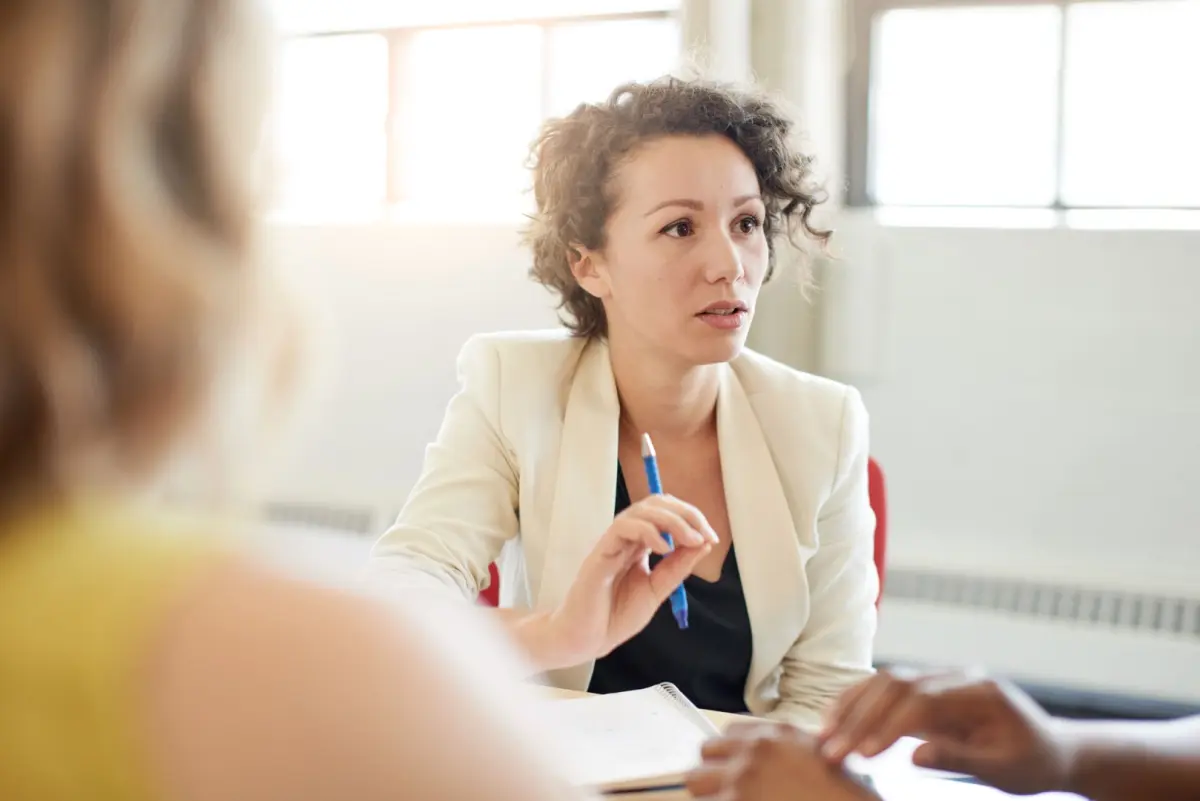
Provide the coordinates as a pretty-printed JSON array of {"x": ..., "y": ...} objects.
[
  {"x": 904, "y": 718},
  {"x": 873, "y": 706},
  {"x": 647, "y": 533},
  {"x": 706, "y": 781},
  {"x": 673, "y": 569},
  {"x": 721, "y": 748},
  {"x": 845, "y": 703},
  {"x": 640, "y": 528},
  {"x": 690, "y": 514},
  {"x": 630, "y": 533},
  {"x": 664, "y": 514}
]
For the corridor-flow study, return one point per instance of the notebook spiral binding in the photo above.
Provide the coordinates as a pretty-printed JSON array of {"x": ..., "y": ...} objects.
[
  {"x": 684, "y": 704},
  {"x": 673, "y": 692}
]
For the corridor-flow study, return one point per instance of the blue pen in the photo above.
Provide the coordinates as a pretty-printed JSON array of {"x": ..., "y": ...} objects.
[{"x": 679, "y": 605}]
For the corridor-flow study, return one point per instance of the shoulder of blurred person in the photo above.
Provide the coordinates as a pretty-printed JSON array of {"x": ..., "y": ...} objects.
[
  {"x": 424, "y": 693},
  {"x": 160, "y": 661}
]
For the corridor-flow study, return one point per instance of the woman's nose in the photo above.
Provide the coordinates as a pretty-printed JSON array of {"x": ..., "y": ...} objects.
[{"x": 723, "y": 260}]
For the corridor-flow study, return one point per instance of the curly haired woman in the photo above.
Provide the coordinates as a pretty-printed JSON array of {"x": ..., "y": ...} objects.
[{"x": 659, "y": 213}]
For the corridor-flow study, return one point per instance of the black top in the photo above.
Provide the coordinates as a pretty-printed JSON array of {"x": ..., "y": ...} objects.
[{"x": 709, "y": 661}]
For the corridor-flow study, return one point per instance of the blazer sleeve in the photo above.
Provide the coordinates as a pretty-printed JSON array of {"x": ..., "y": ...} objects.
[
  {"x": 464, "y": 505},
  {"x": 834, "y": 652}
]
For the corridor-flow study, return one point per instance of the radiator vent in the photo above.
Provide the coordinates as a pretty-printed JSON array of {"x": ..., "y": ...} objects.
[
  {"x": 1153, "y": 614},
  {"x": 356, "y": 520}
]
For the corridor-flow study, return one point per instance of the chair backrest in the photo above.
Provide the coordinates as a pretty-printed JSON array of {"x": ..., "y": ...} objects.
[
  {"x": 875, "y": 488},
  {"x": 491, "y": 596}
]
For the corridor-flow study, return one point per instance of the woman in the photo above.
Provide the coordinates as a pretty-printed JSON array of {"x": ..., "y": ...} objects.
[
  {"x": 658, "y": 215},
  {"x": 139, "y": 659}
]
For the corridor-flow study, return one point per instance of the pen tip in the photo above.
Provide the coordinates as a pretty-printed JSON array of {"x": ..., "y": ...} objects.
[
  {"x": 647, "y": 446},
  {"x": 681, "y": 617}
]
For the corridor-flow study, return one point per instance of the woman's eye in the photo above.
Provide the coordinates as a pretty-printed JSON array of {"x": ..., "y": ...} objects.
[
  {"x": 679, "y": 229},
  {"x": 748, "y": 224}
]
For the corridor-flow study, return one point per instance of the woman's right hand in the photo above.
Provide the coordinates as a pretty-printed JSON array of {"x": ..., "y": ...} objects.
[{"x": 616, "y": 593}]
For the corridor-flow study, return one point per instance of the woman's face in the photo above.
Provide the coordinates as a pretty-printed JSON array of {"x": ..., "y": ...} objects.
[{"x": 685, "y": 254}]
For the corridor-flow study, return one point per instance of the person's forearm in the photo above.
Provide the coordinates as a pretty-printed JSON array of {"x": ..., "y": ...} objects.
[
  {"x": 537, "y": 636},
  {"x": 1142, "y": 761}
]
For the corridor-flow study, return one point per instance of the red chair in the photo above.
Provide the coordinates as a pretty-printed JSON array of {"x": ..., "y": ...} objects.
[
  {"x": 491, "y": 596},
  {"x": 875, "y": 487}
]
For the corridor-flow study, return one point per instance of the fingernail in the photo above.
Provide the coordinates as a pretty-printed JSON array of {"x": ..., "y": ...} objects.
[
  {"x": 833, "y": 749},
  {"x": 870, "y": 747}
]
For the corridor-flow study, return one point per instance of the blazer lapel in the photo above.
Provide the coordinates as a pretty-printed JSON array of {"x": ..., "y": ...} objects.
[
  {"x": 585, "y": 485},
  {"x": 764, "y": 534}
]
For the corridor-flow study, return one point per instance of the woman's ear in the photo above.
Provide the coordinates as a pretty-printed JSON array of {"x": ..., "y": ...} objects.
[{"x": 589, "y": 269}]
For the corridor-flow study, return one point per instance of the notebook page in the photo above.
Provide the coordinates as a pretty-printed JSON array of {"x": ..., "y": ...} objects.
[
  {"x": 624, "y": 738},
  {"x": 897, "y": 760}
]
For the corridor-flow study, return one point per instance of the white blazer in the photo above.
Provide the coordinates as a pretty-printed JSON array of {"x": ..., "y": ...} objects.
[{"x": 526, "y": 462}]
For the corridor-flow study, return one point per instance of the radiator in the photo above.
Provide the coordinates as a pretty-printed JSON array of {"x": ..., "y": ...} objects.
[
  {"x": 1128, "y": 643},
  {"x": 350, "y": 519}
]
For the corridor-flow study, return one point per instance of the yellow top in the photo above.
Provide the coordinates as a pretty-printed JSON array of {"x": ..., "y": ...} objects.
[{"x": 83, "y": 592}]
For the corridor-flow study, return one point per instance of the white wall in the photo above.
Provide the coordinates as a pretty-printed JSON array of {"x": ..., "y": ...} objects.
[
  {"x": 1035, "y": 402},
  {"x": 1035, "y": 399},
  {"x": 395, "y": 304}
]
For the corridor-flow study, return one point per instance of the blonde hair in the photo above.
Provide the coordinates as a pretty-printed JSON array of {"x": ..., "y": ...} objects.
[{"x": 127, "y": 129}]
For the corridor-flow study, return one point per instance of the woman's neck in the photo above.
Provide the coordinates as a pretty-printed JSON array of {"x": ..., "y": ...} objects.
[{"x": 666, "y": 400}]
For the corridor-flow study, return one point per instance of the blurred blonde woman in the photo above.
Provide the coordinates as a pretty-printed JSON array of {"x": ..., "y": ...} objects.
[{"x": 139, "y": 658}]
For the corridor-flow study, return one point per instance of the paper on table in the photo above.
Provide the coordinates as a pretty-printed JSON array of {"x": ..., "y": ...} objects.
[
  {"x": 897, "y": 759},
  {"x": 923, "y": 788},
  {"x": 644, "y": 738},
  {"x": 895, "y": 776},
  {"x": 915, "y": 786}
]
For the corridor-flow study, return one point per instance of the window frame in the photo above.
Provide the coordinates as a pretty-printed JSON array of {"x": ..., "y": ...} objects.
[
  {"x": 858, "y": 134},
  {"x": 399, "y": 37}
]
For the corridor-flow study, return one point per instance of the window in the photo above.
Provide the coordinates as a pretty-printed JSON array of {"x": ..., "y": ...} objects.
[
  {"x": 472, "y": 103},
  {"x": 422, "y": 116},
  {"x": 1131, "y": 118},
  {"x": 1021, "y": 103},
  {"x": 585, "y": 68},
  {"x": 330, "y": 126}
]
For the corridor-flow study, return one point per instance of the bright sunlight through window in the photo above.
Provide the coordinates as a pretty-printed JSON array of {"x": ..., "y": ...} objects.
[
  {"x": 436, "y": 122},
  {"x": 959, "y": 118},
  {"x": 1131, "y": 122},
  {"x": 330, "y": 131},
  {"x": 1086, "y": 105}
]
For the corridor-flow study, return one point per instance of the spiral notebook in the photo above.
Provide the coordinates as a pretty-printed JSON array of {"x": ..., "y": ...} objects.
[{"x": 639, "y": 740}]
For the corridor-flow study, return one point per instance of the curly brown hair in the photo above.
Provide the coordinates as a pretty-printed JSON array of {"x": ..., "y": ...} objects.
[{"x": 574, "y": 158}]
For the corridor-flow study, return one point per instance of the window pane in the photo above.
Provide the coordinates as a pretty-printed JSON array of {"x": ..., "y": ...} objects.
[
  {"x": 310, "y": 16},
  {"x": 473, "y": 103},
  {"x": 964, "y": 106},
  {"x": 582, "y": 66},
  {"x": 330, "y": 127},
  {"x": 1132, "y": 118}
]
